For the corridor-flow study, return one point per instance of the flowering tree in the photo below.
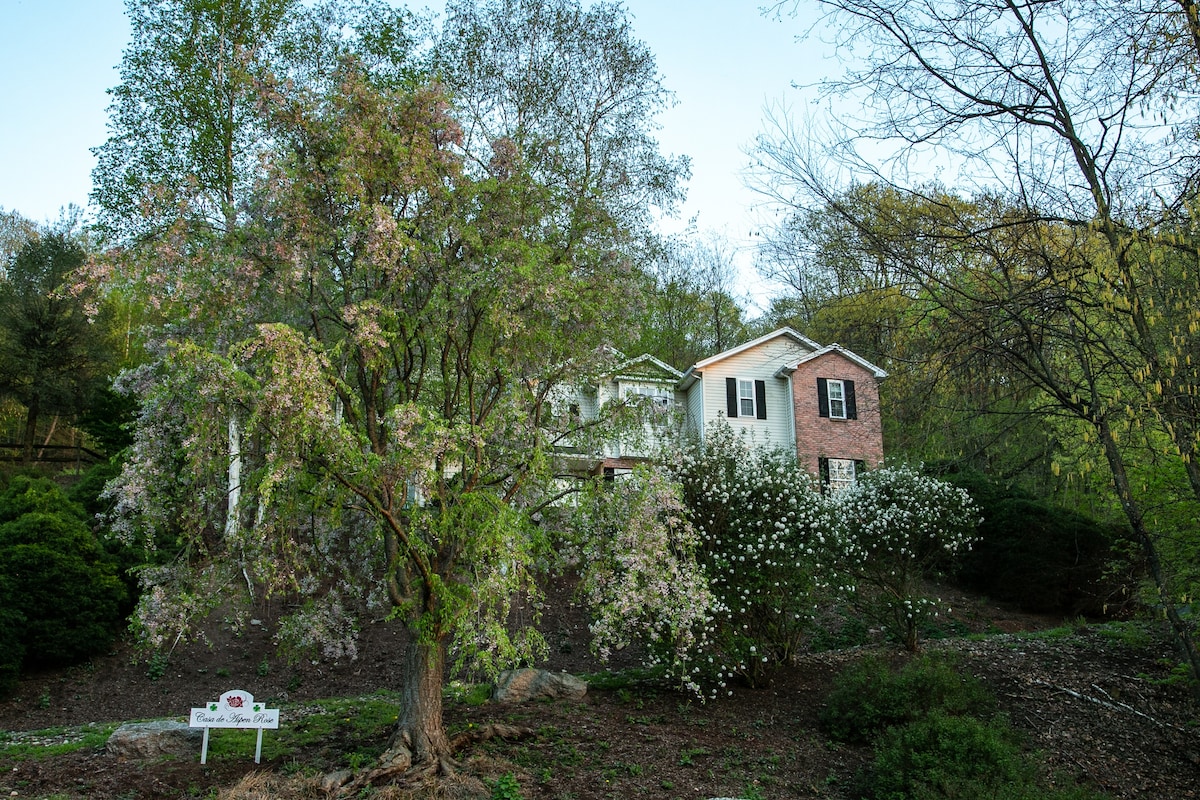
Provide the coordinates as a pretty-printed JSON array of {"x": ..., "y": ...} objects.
[
  {"x": 764, "y": 532},
  {"x": 635, "y": 550},
  {"x": 396, "y": 311},
  {"x": 893, "y": 527}
]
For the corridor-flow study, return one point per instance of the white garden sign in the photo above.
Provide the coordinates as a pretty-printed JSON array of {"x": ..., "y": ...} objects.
[{"x": 234, "y": 709}]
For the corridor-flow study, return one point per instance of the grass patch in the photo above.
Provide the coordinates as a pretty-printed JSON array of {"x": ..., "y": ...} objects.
[
  {"x": 51, "y": 742},
  {"x": 470, "y": 694},
  {"x": 1133, "y": 634},
  {"x": 626, "y": 679}
]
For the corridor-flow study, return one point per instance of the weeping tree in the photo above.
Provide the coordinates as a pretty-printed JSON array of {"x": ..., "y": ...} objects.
[{"x": 408, "y": 303}]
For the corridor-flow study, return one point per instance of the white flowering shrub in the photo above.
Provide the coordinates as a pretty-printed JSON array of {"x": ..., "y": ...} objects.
[
  {"x": 636, "y": 555},
  {"x": 892, "y": 529},
  {"x": 763, "y": 543}
]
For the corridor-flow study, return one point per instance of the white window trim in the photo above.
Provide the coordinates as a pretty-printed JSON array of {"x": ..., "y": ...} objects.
[
  {"x": 838, "y": 402},
  {"x": 660, "y": 398},
  {"x": 842, "y": 474},
  {"x": 743, "y": 385}
]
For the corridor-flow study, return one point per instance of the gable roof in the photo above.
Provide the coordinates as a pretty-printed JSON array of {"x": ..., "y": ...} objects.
[
  {"x": 690, "y": 376},
  {"x": 646, "y": 367},
  {"x": 849, "y": 355},
  {"x": 741, "y": 348}
]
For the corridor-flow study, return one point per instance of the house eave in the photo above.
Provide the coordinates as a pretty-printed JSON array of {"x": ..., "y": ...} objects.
[
  {"x": 791, "y": 333},
  {"x": 849, "y": 355}
]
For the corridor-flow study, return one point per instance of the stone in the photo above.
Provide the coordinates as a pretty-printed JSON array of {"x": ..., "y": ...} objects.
[
  {"x": 521, "y": 685},
  {"x": 154, "y": 739}
]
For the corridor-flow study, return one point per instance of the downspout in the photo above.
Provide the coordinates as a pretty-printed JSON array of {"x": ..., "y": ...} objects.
[{"x": 791, "y": 418}]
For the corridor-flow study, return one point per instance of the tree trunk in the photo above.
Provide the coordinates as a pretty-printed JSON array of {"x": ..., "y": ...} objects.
[
  {"x": 421, "y": 727},
  {"x": 31, "y": 418},
  {"x": 1133, "y": 512}
]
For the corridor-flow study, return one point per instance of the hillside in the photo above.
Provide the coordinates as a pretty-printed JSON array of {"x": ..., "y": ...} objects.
[{"x": 1096, "y": 700}]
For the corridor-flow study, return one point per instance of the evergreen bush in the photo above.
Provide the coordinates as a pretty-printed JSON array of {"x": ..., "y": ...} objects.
[
  {"x": 64, "y": 597},
  {"x": 1043, "y": 557},
  {"x": 12, "y": 648},
  {"x": 871, "y": 696},
  {"x": 947, "y": 756}
]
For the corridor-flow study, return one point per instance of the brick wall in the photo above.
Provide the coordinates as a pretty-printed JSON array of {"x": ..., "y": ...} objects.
[{"x": 823, "y": 437}]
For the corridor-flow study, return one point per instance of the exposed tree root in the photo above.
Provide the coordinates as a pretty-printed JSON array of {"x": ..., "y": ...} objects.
[
  {"x": 495, "y": 730},
  {"x": 396, "y": 767}
]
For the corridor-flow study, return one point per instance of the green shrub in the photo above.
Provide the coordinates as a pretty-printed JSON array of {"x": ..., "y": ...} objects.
[
  {"x": 946, "y": 756},
  {"x": 127, "y": 556},
  {"x": 88, "y": 490},
  {"x": 65, "y": 600},
  {"x": 870, "y": 696},
  {"x": 26, "y": 495},
  {"x": 12, "y": 647},
  {"x": 1043, "y": 557}
]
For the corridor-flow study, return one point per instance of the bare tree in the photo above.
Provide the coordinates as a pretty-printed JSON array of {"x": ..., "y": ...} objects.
[{"x": 1073, "y": 121}]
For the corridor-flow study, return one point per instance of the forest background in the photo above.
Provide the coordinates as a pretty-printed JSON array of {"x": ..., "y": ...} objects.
[{"x": 293, "y": 204}]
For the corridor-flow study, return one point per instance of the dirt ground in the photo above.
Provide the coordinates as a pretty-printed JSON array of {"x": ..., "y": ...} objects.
[{"x": 1098, "y": 706}]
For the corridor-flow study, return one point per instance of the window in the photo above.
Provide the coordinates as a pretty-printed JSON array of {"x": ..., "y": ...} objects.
[
  {"x": 835, "y": 399},
  {"x": 745, "y": 398},
  {"x": 839, "y": 473},
  {"x": 658, "y": 398},
  {"x": 655, "y": 403}
]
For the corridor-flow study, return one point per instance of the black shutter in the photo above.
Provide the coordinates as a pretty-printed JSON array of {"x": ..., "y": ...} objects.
[
  {"x": 860, "y": 467},
  {"x": 760, "y": 399},
  {"x": 822, "y": 397},
  {"x": 851, "y": 408},
  {"x": 823, "y": 471},
  {"x": 731, "y": 397}
]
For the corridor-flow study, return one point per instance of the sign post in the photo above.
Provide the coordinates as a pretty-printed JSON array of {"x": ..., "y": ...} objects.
[{"x": 234, "y": 709}]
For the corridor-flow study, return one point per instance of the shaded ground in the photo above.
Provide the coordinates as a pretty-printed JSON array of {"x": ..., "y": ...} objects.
[{"x": 1096, "y": 701}]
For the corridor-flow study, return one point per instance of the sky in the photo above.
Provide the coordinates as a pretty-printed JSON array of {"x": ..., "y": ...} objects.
[{"x": 723, "y": 59}]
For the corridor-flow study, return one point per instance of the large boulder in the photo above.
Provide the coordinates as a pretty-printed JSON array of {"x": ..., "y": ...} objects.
[
  {"x": 520, "y": 685},
  {"x": 154, "y": 739}
]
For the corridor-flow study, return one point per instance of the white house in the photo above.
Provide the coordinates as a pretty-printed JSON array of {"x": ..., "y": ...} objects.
[{"x": 783, "y": 390}]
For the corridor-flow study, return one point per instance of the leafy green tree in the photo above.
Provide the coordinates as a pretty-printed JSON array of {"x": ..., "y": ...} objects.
[
  {"x": 53, "y": 358},
  {"x": 184, "y": 134},
  {"x": 15, "y": 231},
  {"x": 850, "y": 283},
  {"x": 564, "y": 92},
  {"x": 691, "y": 310}
]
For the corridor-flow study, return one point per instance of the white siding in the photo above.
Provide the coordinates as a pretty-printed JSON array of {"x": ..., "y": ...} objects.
[
  {"x": 659, "y": 427},
  {"x": 757, "y": 363},
  {"x": 695, "y": 409}
]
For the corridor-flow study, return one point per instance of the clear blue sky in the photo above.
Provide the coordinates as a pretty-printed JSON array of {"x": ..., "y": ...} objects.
[{"x": 722, "y": 58}]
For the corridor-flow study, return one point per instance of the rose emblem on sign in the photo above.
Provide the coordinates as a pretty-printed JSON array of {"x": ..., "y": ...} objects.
[{"x": 233, "y": 701}]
